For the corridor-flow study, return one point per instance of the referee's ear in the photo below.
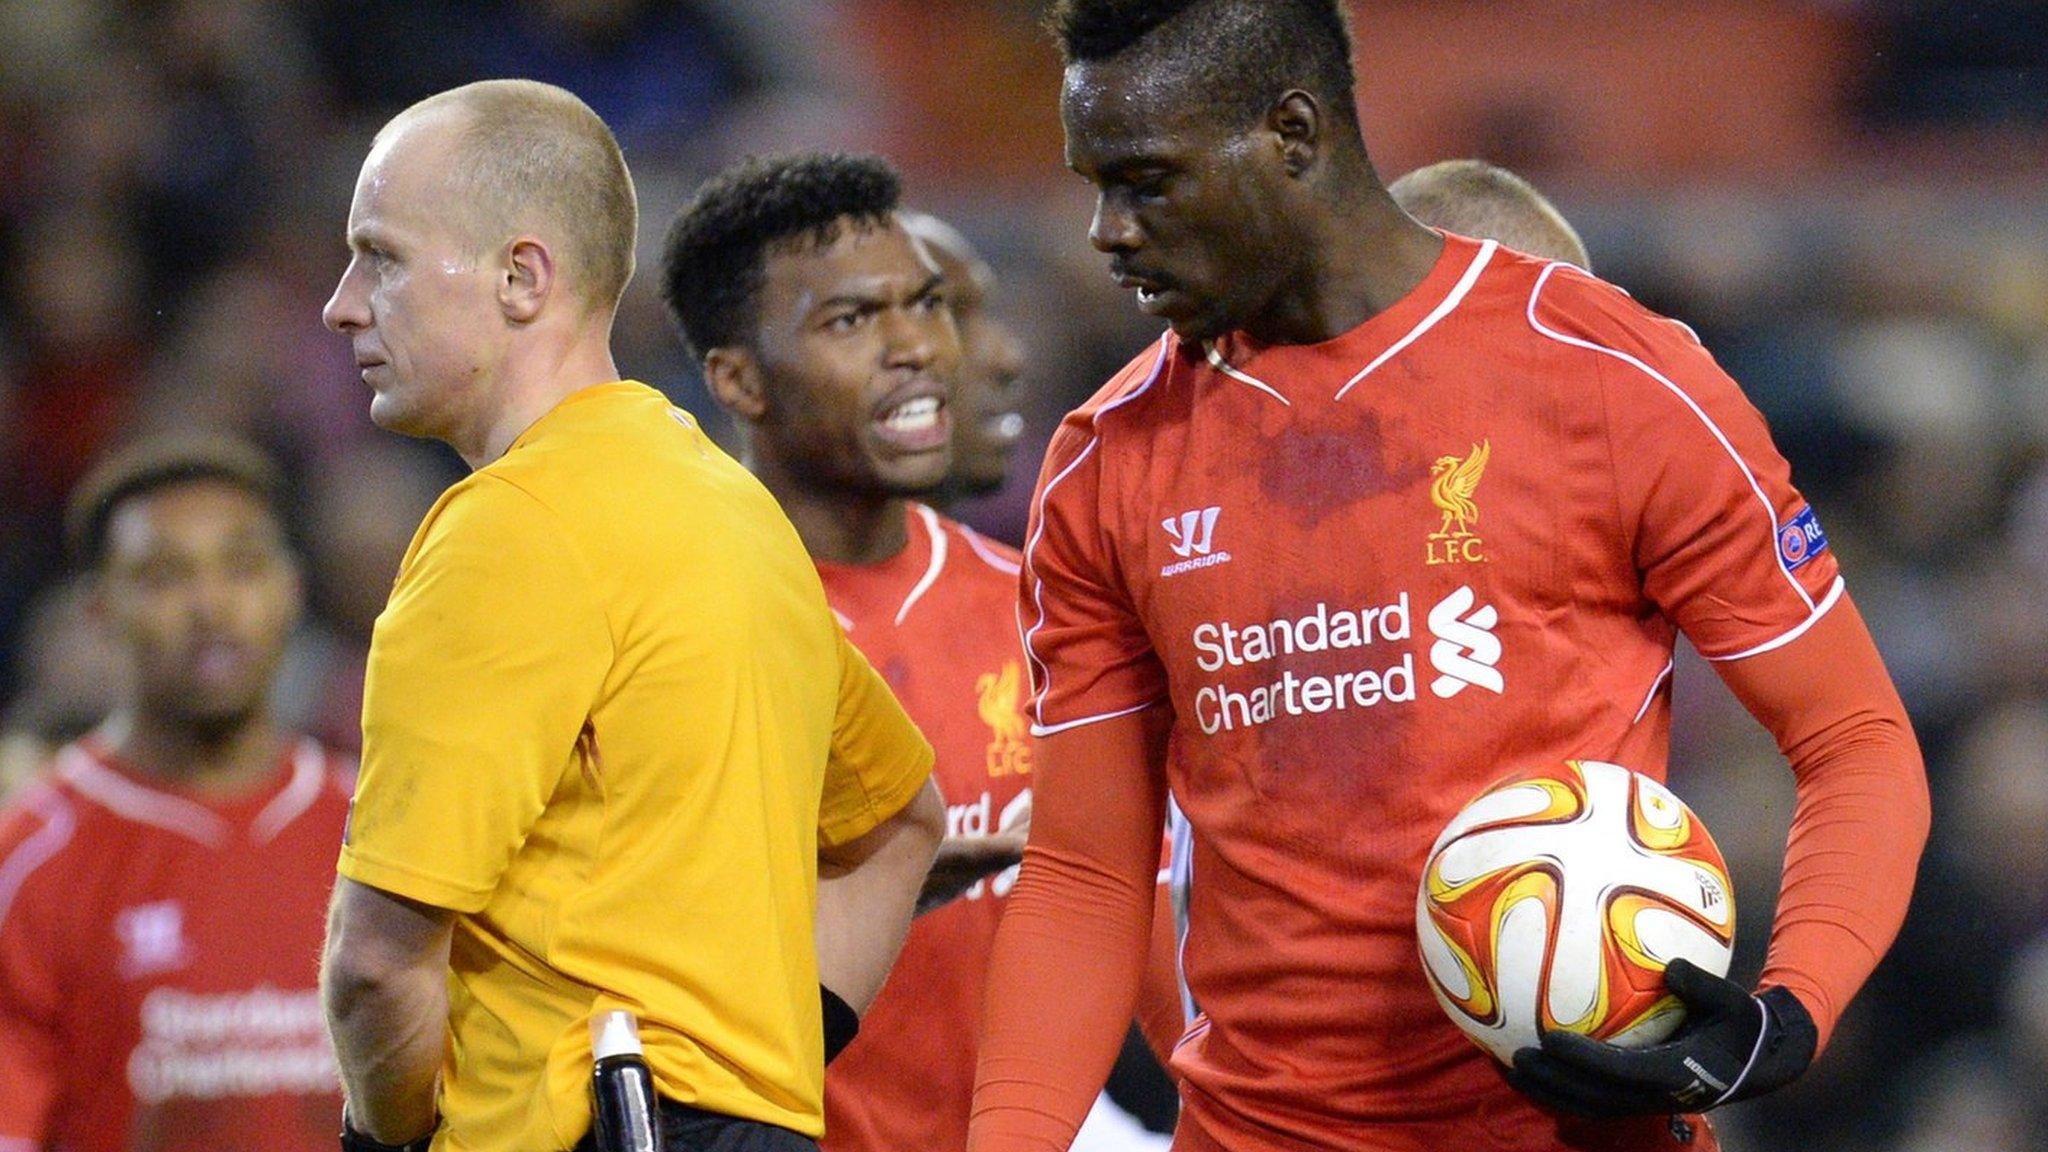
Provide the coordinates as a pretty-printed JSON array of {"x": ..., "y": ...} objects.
[{"x": 733, "y": 376}]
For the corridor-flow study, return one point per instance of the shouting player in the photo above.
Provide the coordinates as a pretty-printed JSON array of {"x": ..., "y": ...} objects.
[
  {"x": 161, "y": 890},
  {"x": 1247, "y": 577},
  {"x": 823, "y": 326}
]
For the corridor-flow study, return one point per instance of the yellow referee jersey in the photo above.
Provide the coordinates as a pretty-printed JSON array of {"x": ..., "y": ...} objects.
[{"x": 608, "y": 719}]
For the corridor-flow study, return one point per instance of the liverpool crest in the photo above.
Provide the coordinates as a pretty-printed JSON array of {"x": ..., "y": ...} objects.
[{"x": 1453, "y": 480}]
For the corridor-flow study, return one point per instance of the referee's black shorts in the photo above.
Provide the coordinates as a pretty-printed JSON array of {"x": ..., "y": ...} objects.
[{"x": 687, "y": 1129}]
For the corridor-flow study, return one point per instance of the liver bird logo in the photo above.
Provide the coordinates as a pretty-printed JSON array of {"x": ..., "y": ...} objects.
[
  {"x": 999, "y": 692},
  {"x": 1453, "y": 480}
]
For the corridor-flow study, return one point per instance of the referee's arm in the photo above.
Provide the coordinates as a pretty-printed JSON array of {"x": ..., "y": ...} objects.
[
  {"x": 384, "y": 984},
  {"x": 867, "y": 890}
]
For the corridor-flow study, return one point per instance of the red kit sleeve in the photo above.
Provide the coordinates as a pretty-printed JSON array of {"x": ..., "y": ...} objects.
[
  {"x": 1731, "y": 552},
  {"x": 1862, "y": 813},
  {"x": 1089, "y": 654},
  {"x": 1727, "y": 548},
  {"x": 1065, "y": 973}
]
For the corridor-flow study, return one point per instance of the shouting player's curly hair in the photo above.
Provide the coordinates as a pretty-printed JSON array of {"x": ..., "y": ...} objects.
[
  {"x": 1245, "y": 53},
  {"x": 714, "y": 260}
]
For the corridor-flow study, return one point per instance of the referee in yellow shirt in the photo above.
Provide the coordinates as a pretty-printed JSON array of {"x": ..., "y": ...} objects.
[{"x": 612, "y": 733}]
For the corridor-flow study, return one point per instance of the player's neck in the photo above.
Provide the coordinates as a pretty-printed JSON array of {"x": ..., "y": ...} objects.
[
  {"x": 1364, "y": 257},
  {"x": 846, "y": 527},
  {"x": 222, "y": 763}
]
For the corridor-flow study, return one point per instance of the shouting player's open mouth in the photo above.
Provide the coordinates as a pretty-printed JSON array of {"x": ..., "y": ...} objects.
[{"x": 914, "y": 422}]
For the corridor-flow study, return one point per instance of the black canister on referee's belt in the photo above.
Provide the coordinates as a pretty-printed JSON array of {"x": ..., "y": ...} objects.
[{"x": 622, "y": 1096}]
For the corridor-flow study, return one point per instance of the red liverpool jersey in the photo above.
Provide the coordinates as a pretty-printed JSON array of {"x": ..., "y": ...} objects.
[
  {"x": 159, "y": 957},
  {"x": 1371, "y": 576},
  {"x": 939, "y": 623}
]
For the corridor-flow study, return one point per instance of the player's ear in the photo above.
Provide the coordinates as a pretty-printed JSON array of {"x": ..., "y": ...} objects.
[
  {"x": 732, "y": 374},
  {"x": 526, "y": 279},
  {"x": 1296, "y": 122}
]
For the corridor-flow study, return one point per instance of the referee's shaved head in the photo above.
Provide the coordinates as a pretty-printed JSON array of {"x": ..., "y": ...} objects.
[
  {"x": 531, "y": 157},
  {"x": 1474, "y": 198}
]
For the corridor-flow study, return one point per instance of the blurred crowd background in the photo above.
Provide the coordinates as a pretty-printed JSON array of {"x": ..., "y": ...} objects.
[{"x": 1847, "y": 198}]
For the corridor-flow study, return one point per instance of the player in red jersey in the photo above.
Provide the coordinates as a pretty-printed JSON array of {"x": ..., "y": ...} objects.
[
  {"x": 1385, "y": 515},
  {"x": 986, "y": 423},
  {"x": 161, "y": 891},
  {"x": 838, "y": 361}
]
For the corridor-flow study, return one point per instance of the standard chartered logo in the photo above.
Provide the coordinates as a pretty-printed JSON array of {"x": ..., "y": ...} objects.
[
  {"x": 1466, "y": 650},
  {"x": 1358, "y": 656}
]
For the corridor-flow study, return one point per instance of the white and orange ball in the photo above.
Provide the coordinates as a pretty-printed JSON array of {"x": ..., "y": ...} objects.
[{"x": 1555, "y": 899}]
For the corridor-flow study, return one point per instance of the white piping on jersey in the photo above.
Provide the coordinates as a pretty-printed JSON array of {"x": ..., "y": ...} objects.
[
  {"x": 937, "y": 533},
  {"x": 1443, "y": 309},
  {"x": 309, "y": 779},
  {"x": 1798, "y": 630},
  {"x": 979, "y": 546},
  {"x": 1651, "y": 696},
  {"x": 59, "y": 822},
  {"x": 1083, "y": 722},
  {"x": 1041, "y": 675},
  {"x": 1223, "y": 366},
  {"x": 14, "y": 1144},
  {"x": 1770, "y": 512},
  {"x": 124, "y": 797}
]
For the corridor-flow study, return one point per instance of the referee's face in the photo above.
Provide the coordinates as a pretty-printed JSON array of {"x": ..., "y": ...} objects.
[
  {"x": 417, "y": 302},
  {"x": 857, "y": 353}
]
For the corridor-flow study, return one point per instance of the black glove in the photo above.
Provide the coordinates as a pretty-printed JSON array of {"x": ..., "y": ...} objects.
[
  {"x": 1732, "y": 1046},
  {"x": 842, "y": 1023}
]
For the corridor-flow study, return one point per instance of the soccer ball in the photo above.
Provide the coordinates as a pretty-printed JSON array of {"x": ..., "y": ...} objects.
[{"x": 1555, "y": 899}]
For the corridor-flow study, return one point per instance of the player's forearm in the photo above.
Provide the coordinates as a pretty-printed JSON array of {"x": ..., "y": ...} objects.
[
  {"x": 1857, "y": 832},
  {"x": 383, "y": 983},
  {"x": 866, "y": 897},
  {"x": 1063, "y": 983},
  {"x": 1862, "y": 814}
]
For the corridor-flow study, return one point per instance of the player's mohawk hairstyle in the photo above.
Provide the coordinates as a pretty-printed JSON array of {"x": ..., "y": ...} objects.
[
  {"x": 1241, "y": 53},
  {"x": 1099, "y": 29},
  {"x": 715, "y": 257}
]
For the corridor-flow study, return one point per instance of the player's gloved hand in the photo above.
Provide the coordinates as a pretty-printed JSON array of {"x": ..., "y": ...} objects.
[{"x": 1732, "y": 1046}]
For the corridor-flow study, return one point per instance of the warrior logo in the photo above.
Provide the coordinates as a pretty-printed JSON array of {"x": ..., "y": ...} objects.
[
  {"x": 1190, "y": 531},
  {"x": 1192, "y": 534},
  {"x": 152, "y": 938}
]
